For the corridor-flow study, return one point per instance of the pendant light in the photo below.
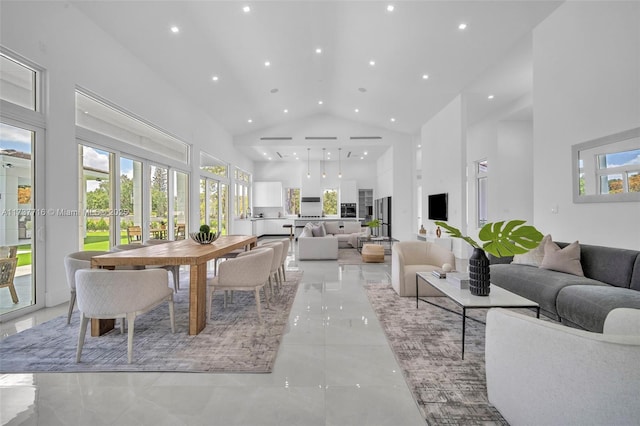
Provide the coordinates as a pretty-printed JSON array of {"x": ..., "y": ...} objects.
[
  {"x": 324, "y": 175},
  {"x": 308, "y": 173},
  {"x": 339, "y": 164}
]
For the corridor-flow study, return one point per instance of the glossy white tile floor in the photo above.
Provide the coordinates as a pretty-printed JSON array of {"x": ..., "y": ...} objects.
[{"x": 334, "y": 367}]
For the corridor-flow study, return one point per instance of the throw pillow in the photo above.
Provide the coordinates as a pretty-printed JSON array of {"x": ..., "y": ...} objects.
[
  {"x": 562, "y": 260},
  {"x": 332, "y": 227},
  {"x": 534, "y": 256},
  {"x": 319, "y": 231},
  {"x": 351, "y": 227},
  {"x": 307, "y": 231}
]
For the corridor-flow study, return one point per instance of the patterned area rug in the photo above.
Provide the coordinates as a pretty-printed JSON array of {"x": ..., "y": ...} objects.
[
  {"x": 351, "y": 256},
  {"x": 234, "y": 341},
  {"x": 426, "y": 342}
]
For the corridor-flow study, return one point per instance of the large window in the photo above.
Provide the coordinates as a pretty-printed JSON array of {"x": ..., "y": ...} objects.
[
  {"x": 214, "y": 204},
  {"x": 292, "y": 201},
  {"x": 129, "y": 200},
  {"x": 242, "y": 184},
  {"x": 482, "y": 194},
  {"x": 330, "y": 202},
  {"x": 22, "y": 129}
]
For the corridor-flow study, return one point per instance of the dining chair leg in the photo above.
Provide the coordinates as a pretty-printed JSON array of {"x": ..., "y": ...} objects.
[
  {"x": 83, "y": 330},
  {"x": 72, "y": 302},
  {"x": 210, "y": 304},
  {"x": 131, "y": 318},
  {"x": 172, "y": 316},
  {"x": 258, "y": 303},
  {"x": 283, "y": 273},
  {"x": 176, "y": 278}
]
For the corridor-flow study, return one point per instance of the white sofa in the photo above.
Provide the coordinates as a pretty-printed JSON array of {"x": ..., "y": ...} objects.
[
  {"x": 545, "y": 373},
  {"x": 317, "y": 248},
  {"x": 409, "y": 257},
  {"x": 347, "y": 235}
]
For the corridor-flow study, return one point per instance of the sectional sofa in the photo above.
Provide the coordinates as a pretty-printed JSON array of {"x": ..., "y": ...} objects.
[{"x": 611, "y": 280}]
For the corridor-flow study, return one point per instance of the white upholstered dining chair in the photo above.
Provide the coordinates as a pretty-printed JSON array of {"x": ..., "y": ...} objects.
[
  {"x": 249, "y": 271},
  {"x": 72, "y": 263},
  {"x": 174, "y": 269},
  {"x": 104, "y": 294}
]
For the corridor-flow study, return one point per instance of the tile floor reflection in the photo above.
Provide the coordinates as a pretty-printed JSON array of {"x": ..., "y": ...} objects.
[{"x": 334, "y": 367}]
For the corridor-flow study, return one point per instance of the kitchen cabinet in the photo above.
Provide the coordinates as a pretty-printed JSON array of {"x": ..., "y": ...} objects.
[
  {"x": 274, "y": 226},
  {"x": 258, "y": 227},
  {"x": 348, "y": 191},
  {"x": 242, "y": 227},
  {"x": 267, "y": 194}
]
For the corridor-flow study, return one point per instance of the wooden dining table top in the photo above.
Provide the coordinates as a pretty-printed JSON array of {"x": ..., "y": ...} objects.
[{"x": 182, "y": 252}]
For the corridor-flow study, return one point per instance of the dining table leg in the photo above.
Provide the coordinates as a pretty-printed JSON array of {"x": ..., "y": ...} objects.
[{"x": 197, "y": 298}]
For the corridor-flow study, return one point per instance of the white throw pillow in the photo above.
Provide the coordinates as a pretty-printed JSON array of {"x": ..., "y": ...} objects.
[
  {"x": 351, "y": 227},
  {"x": 534, "y": 256},
  {"x": 332, "y": 227},
  {"x": 562, "y": 260}
]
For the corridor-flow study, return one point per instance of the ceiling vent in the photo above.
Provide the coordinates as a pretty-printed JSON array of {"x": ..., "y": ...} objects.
[
  {"x": 349, "y": 154},
  {"x": 357, "y": 138},
  {"x": 320, "y": 138},
  {"x": 276, "y": 138}
]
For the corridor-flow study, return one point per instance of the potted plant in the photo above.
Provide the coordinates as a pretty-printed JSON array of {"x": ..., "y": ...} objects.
[
  {"x": 373, "y": 224},
  {"x": 500, "y": 240}
]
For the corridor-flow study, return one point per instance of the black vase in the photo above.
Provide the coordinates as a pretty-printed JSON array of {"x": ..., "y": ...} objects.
[{"x": 479, "y": 273}]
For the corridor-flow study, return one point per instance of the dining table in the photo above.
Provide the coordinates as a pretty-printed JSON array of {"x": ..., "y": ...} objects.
[{"x": 182, "y": 252}]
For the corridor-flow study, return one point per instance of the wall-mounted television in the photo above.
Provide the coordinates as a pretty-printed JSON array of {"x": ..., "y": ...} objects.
[{"x": 438, "y": 207}]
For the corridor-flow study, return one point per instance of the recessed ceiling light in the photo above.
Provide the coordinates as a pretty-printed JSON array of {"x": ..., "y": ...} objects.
[
  {"x": 285, "y": 111},
  {"x": 264, "y": 153},
  {"x": 318, "y": 50},
  {"x": 372, "y": 62},
  {"x": 393, "y": 120},
  {"x": 295, "y": 154},
  {"x": 249, "y": 121},
  {"x": 490, "y": 97},
  {"x": 365, "y": 153},
  {"x": 86, "y": 112},
  {"x": 269, "y": 158},
  {"x": 356, "y": 110},
  {"x": 462, "y": 26},
  {"x": 425, "y": 76},
  {"x": 215, "y": 78},
  {"x": 419, "y": 146},
  {"x": 267, "y": 64},
  {"x": 320, "y": 102},
  {"x": 362, "y": 158},
  {"x": 246, "y": 9},
  {"x": 390, "y": 8},
  {"x": 175, "y": 29}
]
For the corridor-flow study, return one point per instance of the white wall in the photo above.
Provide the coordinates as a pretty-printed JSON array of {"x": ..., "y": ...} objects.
[
  {"x": 75, "y": 52},
  {"x": 586, "y": 85},
  {"x": 443, "y": 167},
  {"x": 508, "y": 146}
]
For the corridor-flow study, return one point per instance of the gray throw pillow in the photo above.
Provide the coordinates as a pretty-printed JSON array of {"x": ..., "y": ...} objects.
[
  {"x": 534, "y": 256},
  {"x": 562, "y": 260},
  {"x": 319, "y": 231}
]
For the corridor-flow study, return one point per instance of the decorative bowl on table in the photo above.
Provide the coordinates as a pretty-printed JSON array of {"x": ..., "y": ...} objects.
[{"x": 204, "y": 237}]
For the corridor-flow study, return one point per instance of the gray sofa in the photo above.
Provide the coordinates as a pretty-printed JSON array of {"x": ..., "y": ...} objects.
[{"x": 612, "y": 280}]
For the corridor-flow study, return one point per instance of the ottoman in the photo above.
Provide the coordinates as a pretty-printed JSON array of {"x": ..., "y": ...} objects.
[{"x": 373, "y": 253}]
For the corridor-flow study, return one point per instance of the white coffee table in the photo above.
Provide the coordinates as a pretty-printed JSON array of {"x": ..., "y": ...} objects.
[{"x": 497, "y": 298}]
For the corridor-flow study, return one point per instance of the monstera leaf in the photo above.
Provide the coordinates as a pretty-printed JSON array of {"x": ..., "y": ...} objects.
[
  {"x": 501, "y": 239},
  {"x": 506, "y": 240}
]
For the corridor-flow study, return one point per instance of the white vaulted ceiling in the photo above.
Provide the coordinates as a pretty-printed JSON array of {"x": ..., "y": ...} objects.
[{"x": 217, "y": 38}]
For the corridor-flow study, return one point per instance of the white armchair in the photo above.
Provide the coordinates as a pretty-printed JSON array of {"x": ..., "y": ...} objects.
[
  {"x": 106, "y": 294},
  {"x": 544, "y": 373},
  {"x": 409, "y": 257}
]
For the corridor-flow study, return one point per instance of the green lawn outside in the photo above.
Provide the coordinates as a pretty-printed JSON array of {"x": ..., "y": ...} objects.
[{"x": 99, "y": 240}]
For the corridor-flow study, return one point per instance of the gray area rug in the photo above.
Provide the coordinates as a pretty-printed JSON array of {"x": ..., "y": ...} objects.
[
  {"x": 426, "y": 342},
  {"x": 351, "y": 256},
  {"x": 233, "y": 341}
]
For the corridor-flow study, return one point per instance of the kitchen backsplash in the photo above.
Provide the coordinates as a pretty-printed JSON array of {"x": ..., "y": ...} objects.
[{"x": 268, "y": 211}]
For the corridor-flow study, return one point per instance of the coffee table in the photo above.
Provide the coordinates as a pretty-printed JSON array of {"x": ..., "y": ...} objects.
[
  {"x": 497, "y": 298},
  {"x": 386, "y": 242}
]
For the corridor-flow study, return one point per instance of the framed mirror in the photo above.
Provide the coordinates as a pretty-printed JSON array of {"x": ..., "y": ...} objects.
[{"x": 607, "y": 169}]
